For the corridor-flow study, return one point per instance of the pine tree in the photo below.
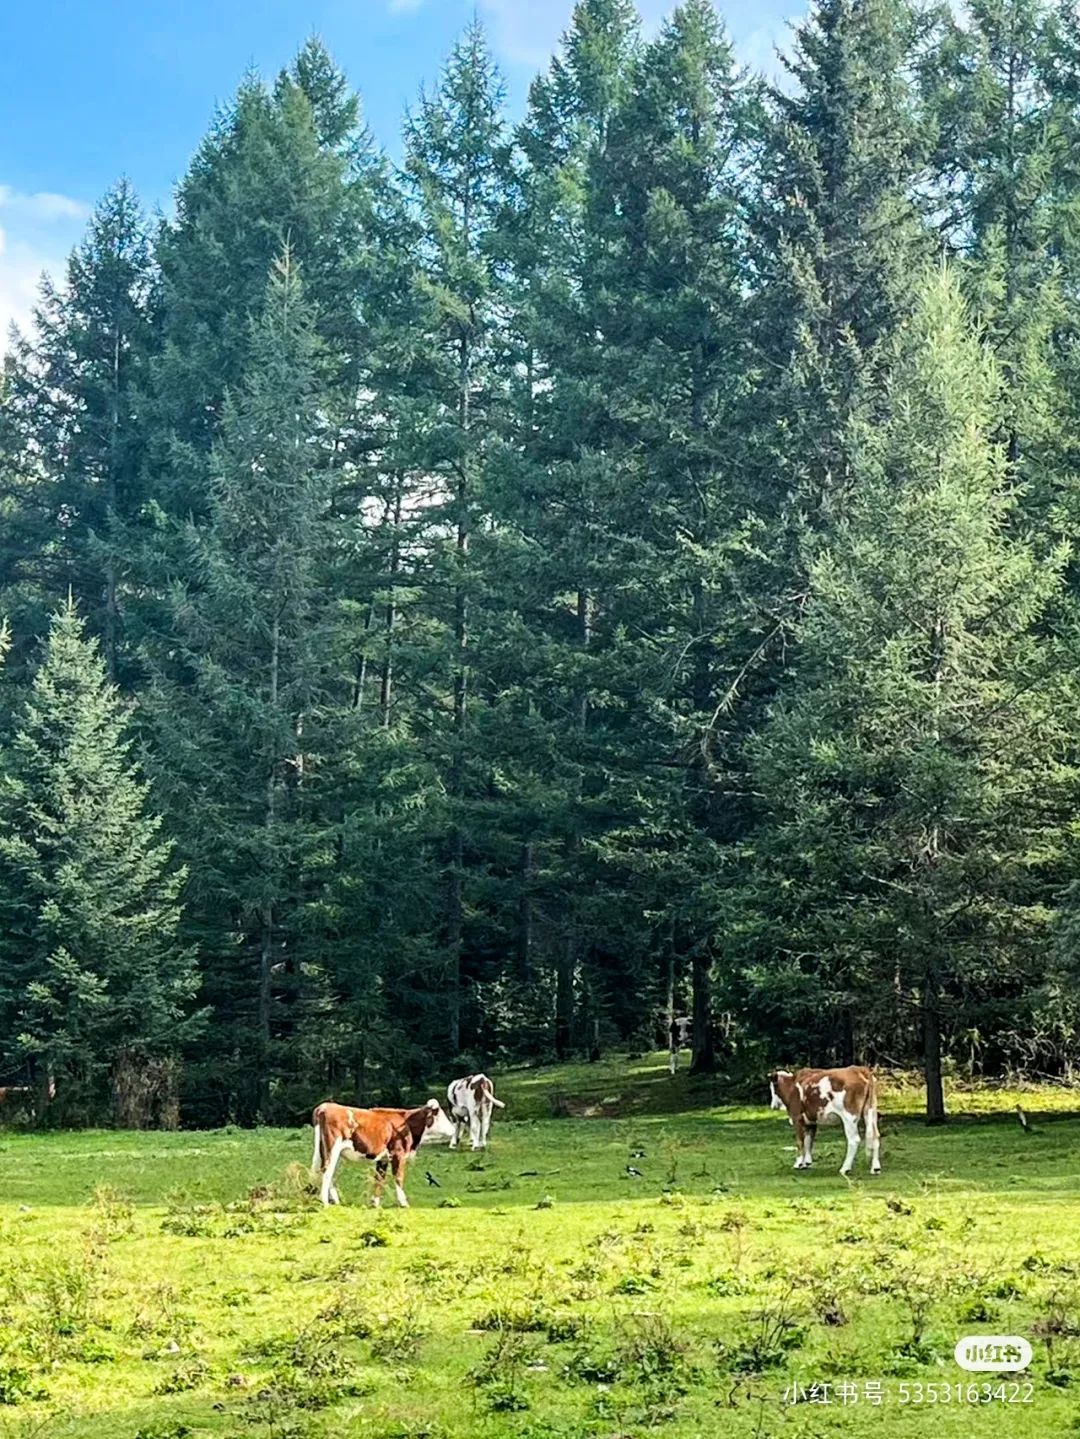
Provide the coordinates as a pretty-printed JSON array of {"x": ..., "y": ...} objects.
[
  {"x": 95, "y": 979},
  {"x": 287, "y": 166},
  {"x": 453, "y": 167},
  {"x": 236, "y": 703},
  {"x": 912, "y": 765},
  {"x": 551, "y": 482},
  {"x": 1004, "y": 189},
  {"x": 75, "y": 397},
  {"x": 676, "y": 367},
  {"x": 839, "y": 236}
]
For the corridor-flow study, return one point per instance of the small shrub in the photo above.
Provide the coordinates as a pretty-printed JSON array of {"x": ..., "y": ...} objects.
[
  {"x": 184, "y": 1378},
  {"x": 398, "y": 1335},
  {"x": 113, "y": 1214},
  {"x": 18, "y": 1385},
  {"x": 767, "y": 1338},
  {"x": 524, "y": 1316},
  {"x": 499, "y": 1376},
  {"x": 633, "y": 1284}
]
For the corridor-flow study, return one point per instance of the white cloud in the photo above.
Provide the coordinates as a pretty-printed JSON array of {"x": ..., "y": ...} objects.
[
  {"x": 21, "y": 267},
  {"x": 43, "y": 207},
  {"x": 36, "y": 233}
]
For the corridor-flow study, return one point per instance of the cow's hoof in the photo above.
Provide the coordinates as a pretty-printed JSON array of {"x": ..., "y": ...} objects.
[{"x": 876, "y": 1170}]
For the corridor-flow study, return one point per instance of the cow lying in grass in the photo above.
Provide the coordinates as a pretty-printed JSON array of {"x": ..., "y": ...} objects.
[
  {"x": 814, "y": 1095},
  {"x": 387, "y": 1137},
  {"x": 472, "y": 1100}
]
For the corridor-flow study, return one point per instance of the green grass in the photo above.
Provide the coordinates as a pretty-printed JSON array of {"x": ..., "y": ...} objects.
[{"x": 161, "y": 1285}]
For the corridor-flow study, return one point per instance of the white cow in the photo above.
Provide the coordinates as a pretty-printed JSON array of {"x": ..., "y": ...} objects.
[{"x": 472, "y": 1100}]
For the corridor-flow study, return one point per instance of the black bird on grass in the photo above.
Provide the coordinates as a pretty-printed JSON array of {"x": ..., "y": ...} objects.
[
  {"x": 633, "y": 1173},
  {"x": 432, "y": 1180}
]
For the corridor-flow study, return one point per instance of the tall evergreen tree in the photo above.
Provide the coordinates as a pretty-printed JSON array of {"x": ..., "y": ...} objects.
[
  {"x": 237, "y": 693},
  {"x": 453, "y": 168},
  {"x": 287, "y": 166},
  {"x": 95, "y": 978},
  {"x": 75, "y": 397},
  {"x": 678, "y": 363},
  {"x": 839, "y": 233},
  {"x": 553, "y": 479},
  {"x": 912, "y": 765},
  {"x": 1006, "y": 177}
]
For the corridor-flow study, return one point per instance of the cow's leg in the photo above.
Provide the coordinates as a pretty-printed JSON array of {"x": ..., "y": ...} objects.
[
  {"x": 329, "y": 1193},
  {"x": 808, "y": 1143},
  {"x": 475, "y": 1128},
  {"x": 316, "y": 1154},
  {"x": 873, "y": 1140},
  {"x": 800, "y": 1140},
  {"x": 459, "y": 1126},
  {"x": 399, "y": 1163},
  {"x": 485, "y": 1122},
  {"x": 381, "y": 1166},
  {"x": 851, "y": 1130}
]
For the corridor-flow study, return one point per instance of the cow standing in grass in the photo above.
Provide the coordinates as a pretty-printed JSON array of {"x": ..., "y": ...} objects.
[
  {"x": 387, "y": 1137},
  {"x": 472, "y": 1101},
  {"x": 815, "y": 1095}
]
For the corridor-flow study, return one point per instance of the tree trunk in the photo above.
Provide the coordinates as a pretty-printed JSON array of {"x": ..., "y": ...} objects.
[
  {"x": 109, "y": 639},
  {"x": 390, "y": 614},
  {"x": 847, "y": 1037},
  {"x": 454, "y": 929},
  {"x": 525, "y": 916},
  {"x": 564, "y": 995},
  {"x": 704, "y": 1059},
  {"x": 931, "y": 1017},
  {"x": 266, "y": 941}
]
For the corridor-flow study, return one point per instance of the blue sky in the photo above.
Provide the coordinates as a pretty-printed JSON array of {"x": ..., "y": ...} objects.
[{"x": 93, "y": 89}]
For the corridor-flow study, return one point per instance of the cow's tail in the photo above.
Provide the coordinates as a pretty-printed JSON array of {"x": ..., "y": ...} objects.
[
  {"x": 316, "y": 1124},
  {"x": 496, "y": 1102}
]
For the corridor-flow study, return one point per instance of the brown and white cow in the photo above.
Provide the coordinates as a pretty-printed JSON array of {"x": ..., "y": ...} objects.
[
  {"x": 472, "y": 1101},
  {"x": 817, "y": 1095},
  {"x": 387, "y": 1137}
]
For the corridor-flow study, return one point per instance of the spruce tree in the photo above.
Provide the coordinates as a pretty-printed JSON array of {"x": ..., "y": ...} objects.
[
  {"x": 76, "y": 399},
  {"x": 283, "y": 166},
  {"x": 678, "y": 367},
  {"x": 551, "y": 482},
  {"x": 838, "y": 229},
  {"x": 95, "y": 978},
  {"x": 912, "y": 765},
  {"x": 453, "y": 166},
  {"x": 236, "y": 696}
]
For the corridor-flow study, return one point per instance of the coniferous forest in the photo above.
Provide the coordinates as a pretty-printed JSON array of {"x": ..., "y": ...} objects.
[{"x": 607, "y": 562}]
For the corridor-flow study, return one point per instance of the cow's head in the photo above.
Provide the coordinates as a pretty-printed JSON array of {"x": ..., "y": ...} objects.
[
  {"x": 437, "y": 1127},
  {"x": 778, "y": 1087}
]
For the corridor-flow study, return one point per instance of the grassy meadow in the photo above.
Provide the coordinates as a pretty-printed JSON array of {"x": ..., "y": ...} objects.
[{"x": 154, "y": 1286}]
